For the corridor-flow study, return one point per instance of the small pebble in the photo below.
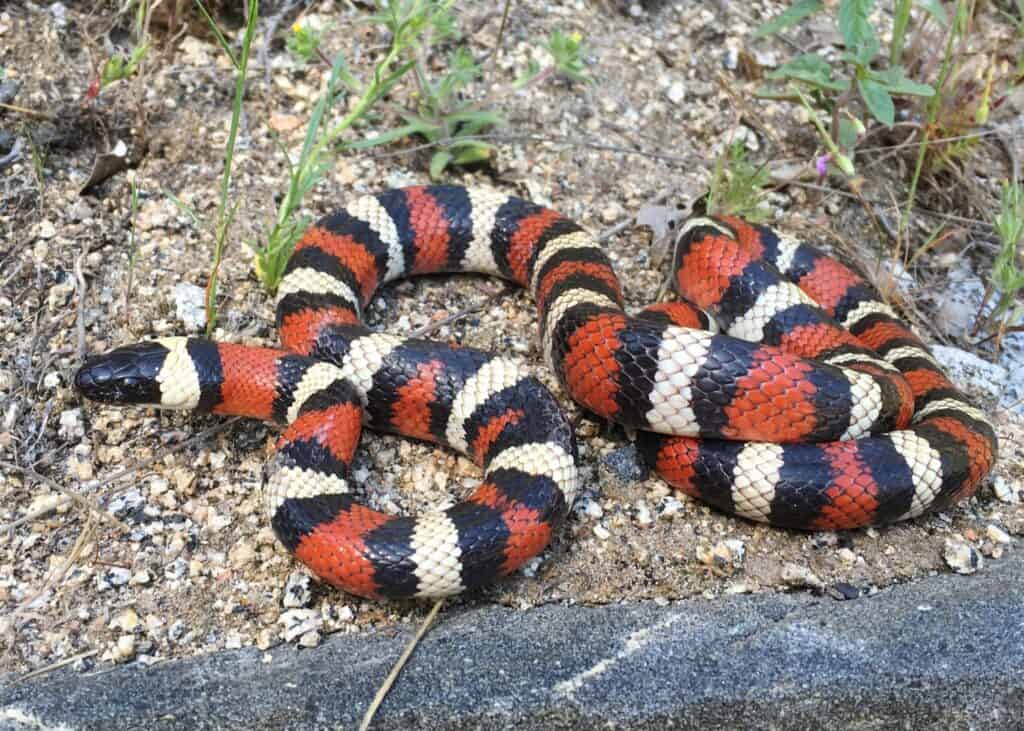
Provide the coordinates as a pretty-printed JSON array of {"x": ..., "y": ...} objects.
[
  {"x": 997, "y": 535},
  {"x": 124, "y": 650},
  {"x": 601, "y": 532},
  {"x": 800, "y": 576},
  {"x": 643, "y": 514},
  {"x": 298, "y": 622},
  {"x": 296, "y": 590},
  {"x": 626, "y": 464},
  {"x": 126, "y": 621},
  {"x": 1007, "y": 492},
  {"x": 190, "y": 306},
  {"x": 961, "y": 557}
]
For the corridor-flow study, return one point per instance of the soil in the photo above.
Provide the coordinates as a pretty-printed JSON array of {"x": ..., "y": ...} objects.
[{"x": 193, "y": 566}]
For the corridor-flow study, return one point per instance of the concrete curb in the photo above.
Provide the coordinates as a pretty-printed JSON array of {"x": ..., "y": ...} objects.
[{"x": 945, "y": 651}]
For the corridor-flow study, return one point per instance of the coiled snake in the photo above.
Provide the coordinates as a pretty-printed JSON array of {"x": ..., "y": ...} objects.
[{"x": 869, "y": 431}]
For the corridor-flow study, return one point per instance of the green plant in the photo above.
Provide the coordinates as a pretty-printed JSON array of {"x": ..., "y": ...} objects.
[
  {"x": 818, "y": 83},
  {"x": 738, "y": 187},
  {"x": 1007, "y": 278},
  {"x": 304, "y": 42},
  {"x": 225, "y": 210},
  {"x": 119, "y": 67},
  {"x": 454, "y": 124},
  {"x": 439, "y": 113},
  {"x": 132, "y": 251},
  {"x": 408, "y": 20}
]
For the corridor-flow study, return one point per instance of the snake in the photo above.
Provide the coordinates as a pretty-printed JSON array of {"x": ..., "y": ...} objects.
[{"x": 779, "y": 387}]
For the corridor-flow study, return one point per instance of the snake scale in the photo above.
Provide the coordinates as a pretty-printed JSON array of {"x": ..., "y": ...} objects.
[{"x": 802, "y": 401}]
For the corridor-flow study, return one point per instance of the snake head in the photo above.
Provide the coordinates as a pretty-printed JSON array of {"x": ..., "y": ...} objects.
[{"x": 126, "y": 375}]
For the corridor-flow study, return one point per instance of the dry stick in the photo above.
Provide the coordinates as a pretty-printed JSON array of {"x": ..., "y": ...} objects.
[
  {"x": 59, "y": 574},
  {"x": 491, "y": 299},
  {"x": 80, "y": 310},
  {"x": 501, "y": 33},
  {"x": 393, "y": 675},
  {"x": 25, "y": 110},
  {"x": 56, "y": 665},
  {"x": 81, "y": 500}
]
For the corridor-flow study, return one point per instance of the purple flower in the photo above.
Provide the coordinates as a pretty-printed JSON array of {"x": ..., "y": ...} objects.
[{"x": 821, "y": 164}]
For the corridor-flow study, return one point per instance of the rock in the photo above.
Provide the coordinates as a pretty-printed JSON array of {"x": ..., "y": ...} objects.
[
  {"x": 114, "y": 576},
  {"x": 8, "y": 381},
  {"x": 643, "y": 515},
  {"x": 310, "y": 639},
  {"x": 1006, "y": 491},
  {"x": 296, "y": 590},
  {"x": 676, "y": 92},
  {"x": 51, "y": 380},
  {"x": 71, "y": 424},
  {"x": 46, "y": 229},
  {"x": 847, "y": 556},
  {"x": 298, "y": 622},
  {"x": 124, "y": 650},
  {"x": 601, "y": 532},
  {"x": 626, "y": 464},
  {"x": 241, "y": 554},
  {"x": 669, "y": 507},
  {"x": 176, "y": 569},
  {"x": 960, "y": 302},
  {"x": 126, "y": 504},
  {"x": 141, "y": 577},
  {"x": 998, "y": 535},
  {"x": 588, "y": 507},
  {"x": 844, "y": 592},
  {"x": 961, "y": 557},
  {"x": 284, "y": 122},
  {"x": 724, "y": 557},
  {"x": 190, "y": 305},
  {"x": 972, "y": 372},
  {"x": 126, "y": 621},
  {"x": 800, "y": 577}
]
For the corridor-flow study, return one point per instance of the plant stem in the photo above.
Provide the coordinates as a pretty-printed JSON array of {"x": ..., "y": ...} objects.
[
  {"x": 224, "y": 219},
  {"x": 901, "y": 17},
  {"x": 933, "y": 110}
]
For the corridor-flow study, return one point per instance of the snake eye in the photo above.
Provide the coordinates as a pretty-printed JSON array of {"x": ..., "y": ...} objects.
[{"x": 126, "y": 375}]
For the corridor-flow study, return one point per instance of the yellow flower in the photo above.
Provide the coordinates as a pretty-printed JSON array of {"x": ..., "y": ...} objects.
[{"x": 296, "y": 28}]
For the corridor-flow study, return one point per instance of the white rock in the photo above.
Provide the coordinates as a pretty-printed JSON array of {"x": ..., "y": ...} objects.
[
  {"x": 190, "y": 305},
  {"x": 126, "y": 621},
  {"x": 124, "y": 650},
  {"x": 998, "y": 535},
  {"x": 298, "y": 622},
  {"x": 1006, "y": 491},
  {"x": 961, "y": 557},
  {"x": 676, "y": 92},
  {"x": 800, "y": 576},
  {"x": 296, "y": 590},
  {"x": 71, "y": 424},
  {"x": 601, "y": 532}
]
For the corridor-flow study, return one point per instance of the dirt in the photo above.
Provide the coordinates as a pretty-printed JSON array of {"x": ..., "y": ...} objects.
[{"x": 196, "y": 568}]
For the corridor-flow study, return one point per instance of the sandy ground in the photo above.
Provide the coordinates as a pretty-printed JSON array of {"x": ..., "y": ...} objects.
[{"x": 193, "y": 566}]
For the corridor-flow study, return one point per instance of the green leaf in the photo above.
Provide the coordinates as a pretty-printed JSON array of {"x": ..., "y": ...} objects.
[
  {"x": 896, "y": 81},
  {"x": 854, "y": 24},
  {"x": 811, "y": 69},
  {"x": 392, "y": 135},
  {"x": 878, "y": 101},
  {"x": 935, "y": 9},
  {"x": 474, "y": 153},
  {"x": 439, "y": 162},
  {"x": 790, "y": 16},
  {"x": 847, "y": 133}
]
